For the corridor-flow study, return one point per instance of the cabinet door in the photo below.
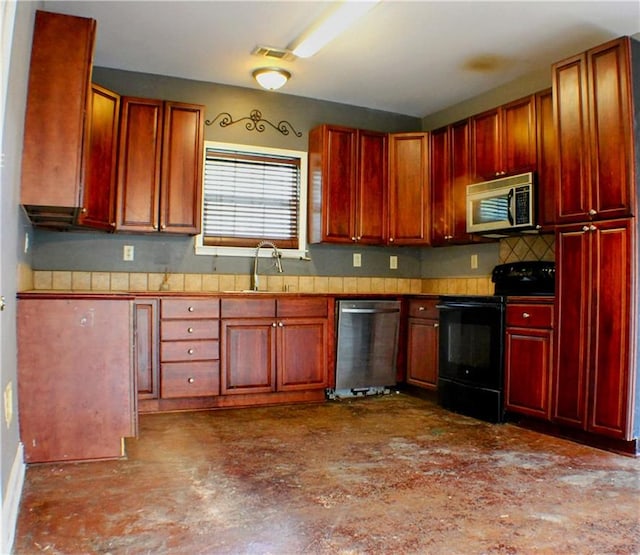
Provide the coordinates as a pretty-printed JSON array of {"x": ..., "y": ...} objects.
[
  {"x": 486, "y": 144},
  {"x": 528, "y": 356},
  {"x": 422, "y": 353},
  {"x": 371, "y": 201},
  {"x": 75, "y": 380},
  {"x": 139, "y": 164},
  {"x": 611, "y": 129},
  {"x": 182, "y": 155},
  {"x": 56, "y": 126},
  {"x": 611, "y": 382},
  {"x": 332, "y": 178},
  {"x": 440, "y": 166},
  {"x": 460, "y": 178},
  {"x": 145, "y": 334},
  {"x": 572, "y": 150},
  {"x": 546, "y": 160},
  {"x": 248, "y": 356},
  {"x": 98, "y": 206},
  {"x": 518, "y": 139},
  {"x": 302, "y": 354},
  {"x": 409, "y": 196}
]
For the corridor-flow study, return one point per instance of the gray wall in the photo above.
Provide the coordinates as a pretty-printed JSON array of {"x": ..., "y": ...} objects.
[{"x": 12, "y": 237}]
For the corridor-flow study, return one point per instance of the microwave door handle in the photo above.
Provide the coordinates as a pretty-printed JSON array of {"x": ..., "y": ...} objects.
[{"x": 510, "y": 207}]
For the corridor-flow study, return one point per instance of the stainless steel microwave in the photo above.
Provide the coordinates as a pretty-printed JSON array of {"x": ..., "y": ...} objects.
[{"x": 504, "y": 204}]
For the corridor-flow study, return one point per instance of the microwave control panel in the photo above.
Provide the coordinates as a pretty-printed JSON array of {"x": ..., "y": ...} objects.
[{"x": 522, "y": 214}]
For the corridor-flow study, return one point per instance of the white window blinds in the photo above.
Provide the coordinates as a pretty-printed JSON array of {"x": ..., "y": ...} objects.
[{"x": 249, "y": 197}]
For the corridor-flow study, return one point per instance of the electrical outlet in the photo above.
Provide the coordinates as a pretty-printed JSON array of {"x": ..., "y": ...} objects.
[
  {"x": 357, "y": 260},
  {"x": 393, "y": 262},
  {"x": 127, "y": 253},
  {"x": 26, "y": 243},
  {"x": 474, "y": 261},
  {"x": 8, "y": 404}
]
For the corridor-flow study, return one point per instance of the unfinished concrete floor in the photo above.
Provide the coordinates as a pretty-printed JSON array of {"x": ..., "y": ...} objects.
[{"x": 394, "y": 474}]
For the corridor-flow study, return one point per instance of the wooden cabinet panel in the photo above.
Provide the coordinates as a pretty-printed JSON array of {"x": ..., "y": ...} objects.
[
  {"x": 546, "y": 176},
  {"x": 56, "y": 130},
  {"x": 487, "y": 162},
  {"x": 160, "y": 166},
  {"x": 422, "y": 353},
  {"x": 189, "y": 330},
  {"x": 190, "y": 379},
  {"x": 248, "y": 362},
  {"x": 188, "y": 350},
  {"x": 99, "y": 198},
  {"x": 309, "y": 307},
  {"x": 460, "y": 177},
  {"x": 145, "y": 334},
  {"x": 371, "y": 192},
  {"x": 594, "y": 382},
  {"x": 75, "y": 378},
  {"x": 409, "y": 192},
  {"x": 528, "y": 355},
  {"x": 190, "y": 308},
  {"x": 525, "y": 315},
  {"x": 263, "y": 307},
  {"x": 302, "y": 354}
]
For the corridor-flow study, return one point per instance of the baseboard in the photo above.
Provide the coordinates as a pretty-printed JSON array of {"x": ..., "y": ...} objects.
[{"x": 11, "y": 501}]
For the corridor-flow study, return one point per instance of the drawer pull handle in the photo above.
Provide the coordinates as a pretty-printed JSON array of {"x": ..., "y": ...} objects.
[
  {"x": 189, "y": 330},
  {"x": 526, "y": 315},
  {"x": 436, "y": 325},
  {"x": 190, "y": 309},
  {"x": 191, "y": 380},
  {"x": 421, "y": 308},
  {"x": 190, "y": 351}
]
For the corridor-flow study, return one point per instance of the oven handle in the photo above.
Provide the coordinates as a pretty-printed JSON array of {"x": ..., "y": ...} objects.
[{"x": 455, "y": 306}]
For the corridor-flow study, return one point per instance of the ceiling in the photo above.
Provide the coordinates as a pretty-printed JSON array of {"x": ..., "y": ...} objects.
[{"x": 413, "y": 58}]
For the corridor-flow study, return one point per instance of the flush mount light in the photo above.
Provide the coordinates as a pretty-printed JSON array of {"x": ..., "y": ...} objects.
[{"x": 271, "y": 78}]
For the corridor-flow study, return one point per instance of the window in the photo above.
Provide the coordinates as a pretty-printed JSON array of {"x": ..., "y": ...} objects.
[{"x": 251, "y": 194}]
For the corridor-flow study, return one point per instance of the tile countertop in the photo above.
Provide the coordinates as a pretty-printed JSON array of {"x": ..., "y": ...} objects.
[{"x": 128, "y": 295}]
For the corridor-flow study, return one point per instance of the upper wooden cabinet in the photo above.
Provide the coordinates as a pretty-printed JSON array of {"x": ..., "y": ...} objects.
[
  {"x": 160, "y": 166},
  {"x": 56, "y": 129},
  {"x": 98, "y": 206},
  {"x": 450, "y": 174},
  {"x": 409, "y": 192},
  {"x": 546, "y": 177},
  {"x": 347, "y": 185},
  {"x": 594, "y": 127},
  {"x": 504, "y": 140}
]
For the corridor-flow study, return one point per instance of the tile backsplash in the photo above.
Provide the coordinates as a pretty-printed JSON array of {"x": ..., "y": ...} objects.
[{"x": 527, "y": 247}]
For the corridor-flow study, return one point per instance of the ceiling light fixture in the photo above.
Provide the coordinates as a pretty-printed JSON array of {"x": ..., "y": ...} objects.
[
  {"x": 329, "y": 27},
  {"x": 271, "y": 78}
]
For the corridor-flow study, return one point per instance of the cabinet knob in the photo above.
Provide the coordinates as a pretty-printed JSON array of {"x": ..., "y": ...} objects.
[
  {"x": 390, "y": 239},
  {"x": 280, "y": 325},
  {"x": 353, "y": 239},
  {"x": 163, "y": 226},
  {"x": 190, "y": 380},
  {"x": 273, "y": 325},
  {"x": 526, "y": 315},
  {"x": 190, "y": 351},
  {"x": 189, "y": 330},
  {"x": 190, "y": 309},
  {"x": 421, "y": 308},
  {"x": 592, "y": 227},
  {"x": 592, "y": 212},
  {"x": 585, "y": 228},
  {"x": 436, "y": 325}
]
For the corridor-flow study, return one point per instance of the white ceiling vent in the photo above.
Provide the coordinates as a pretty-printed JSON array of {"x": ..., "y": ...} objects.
[{"x": 274, "y": 53}]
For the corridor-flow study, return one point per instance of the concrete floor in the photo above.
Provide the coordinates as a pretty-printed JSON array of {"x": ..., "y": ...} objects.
[{"x": 394, "y": 474}]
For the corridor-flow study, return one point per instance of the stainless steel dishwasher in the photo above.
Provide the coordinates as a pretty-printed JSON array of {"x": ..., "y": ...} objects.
[{"x": 367, "y": 347}]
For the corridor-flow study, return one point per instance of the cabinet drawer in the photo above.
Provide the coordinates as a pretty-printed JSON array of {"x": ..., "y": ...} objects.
[
  {"x": 190, "y": 379},
  {"x": 311, "y": 307},
  {"x": 189, "y": 329},
  {"x": 423, "y": 308},
  {"x": 189, "y": 350},
  {"x": 190, "y": 308},
  {"x": 249, "y": 308},
  {"x": 530, "y": 315}
]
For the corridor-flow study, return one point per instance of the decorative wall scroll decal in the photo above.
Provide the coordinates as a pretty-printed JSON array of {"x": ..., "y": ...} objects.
[{"x": 254, "y": 122}]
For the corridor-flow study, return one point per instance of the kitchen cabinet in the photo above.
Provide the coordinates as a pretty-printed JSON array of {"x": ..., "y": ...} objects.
[
  {"x": 546, "y": 176},
  {"x": 189, "y": 347},
  {"x": 274, "y": 344},
  {"x": 450, "y": 155},
  {"x": 595, "y": 298},
  {"x": 160, "y": 166},
  {"x": 409, "y": 190},
  {"x": 98, "y": 206},
  {"x": 504, "y": 140},
  {"x": 56, "y": 132},
  {"x": 146, "y": 351},
  {"x": 592, "y": 92},
  {"x": 529, "y": 357},
  {"x": 422, "y": 343},
  {"x": 348, "y": 185},
  {"x": 75, "y": 377}
]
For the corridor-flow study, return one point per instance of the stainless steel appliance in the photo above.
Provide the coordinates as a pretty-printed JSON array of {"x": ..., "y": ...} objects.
[
  {"x": 471, "y": 342},
  {"x": 367, "y": 347},
  {"x": 499, "y": 205}
]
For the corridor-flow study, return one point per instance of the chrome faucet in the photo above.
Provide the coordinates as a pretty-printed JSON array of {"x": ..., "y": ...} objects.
[{"x": 275, "y": 254}]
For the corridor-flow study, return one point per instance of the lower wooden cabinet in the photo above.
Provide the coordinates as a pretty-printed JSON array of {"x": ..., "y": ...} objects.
[
  {"x": 75, "y": 378},
  {"x": 422, "y": 343},
  {"x": 529, "y": 357}
]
